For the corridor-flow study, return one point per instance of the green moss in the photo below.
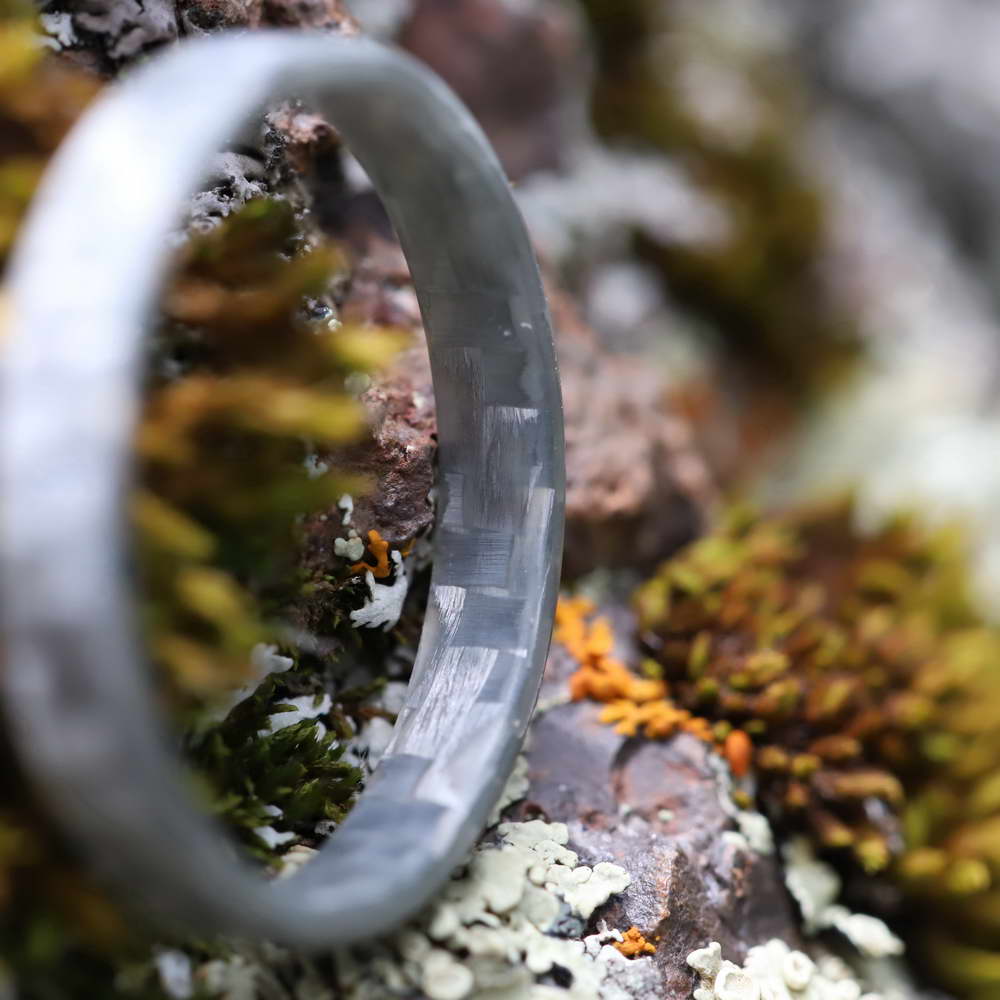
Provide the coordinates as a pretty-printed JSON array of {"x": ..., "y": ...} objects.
[
  {"x": 247, "y": 771},
  {"x": 868, "y": 682}
]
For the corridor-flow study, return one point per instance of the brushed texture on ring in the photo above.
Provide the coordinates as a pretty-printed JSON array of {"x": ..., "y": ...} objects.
[{"x": 83, "y": 283}]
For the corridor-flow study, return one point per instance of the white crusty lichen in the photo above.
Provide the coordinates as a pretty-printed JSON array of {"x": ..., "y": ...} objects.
[
  {"x": 268, "y": 835},
  {"x": 587, "y": 888},
  {"x": 513, "y": 791},
  {"x": 60, "y": 32},
  {"x": 370, "y": 743},
  {"x": 495, "y": 932},
  {"x": 815, "y": 886},
  {"x": 173, "y": 970},
  {"x": 773, "y": 971},
  {"x": 352, "y": 547},
  {"x": 346, "y": 504},
  {"x": 753, "y": 831},
  {"x": 385, "y": 603}
]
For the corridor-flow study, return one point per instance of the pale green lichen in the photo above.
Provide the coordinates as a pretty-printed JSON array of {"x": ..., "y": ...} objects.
[
  {"x": 753, "y": 831},
  {"x": 346, "y": 504},
  {"x": 351, "y": 548},
  {"x": 513, "y": 791},
  {"x": 816, "y": 886},
  {"x": 491, "y": 933},
  {"x": 773, "y": 971}
]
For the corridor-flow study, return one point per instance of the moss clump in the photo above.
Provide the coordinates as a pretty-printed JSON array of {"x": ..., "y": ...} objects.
[
  {"x": 869, "y": 687},
  {"x": 259, "y": 774},
  {"x": 245, "y": 381}
]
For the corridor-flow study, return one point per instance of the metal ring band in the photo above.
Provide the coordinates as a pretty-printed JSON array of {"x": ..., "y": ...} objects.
[{"x": 83, "y": 283}]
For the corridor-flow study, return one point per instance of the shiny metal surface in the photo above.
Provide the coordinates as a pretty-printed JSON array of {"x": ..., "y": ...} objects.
[{"x": 83, "y": 283}]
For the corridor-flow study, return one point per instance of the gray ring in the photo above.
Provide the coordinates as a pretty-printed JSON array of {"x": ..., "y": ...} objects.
[{"x": 83, "y": 282}]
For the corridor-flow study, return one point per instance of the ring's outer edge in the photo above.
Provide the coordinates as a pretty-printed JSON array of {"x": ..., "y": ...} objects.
[{"x": 83, "y": 282}]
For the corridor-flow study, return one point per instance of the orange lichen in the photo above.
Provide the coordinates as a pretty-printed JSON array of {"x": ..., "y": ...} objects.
[
  {"x": 571, "y": 628},
  {"x": 633, "y": 704},
  {"x": 634, "y": 944},
  {"x": 379, "y": 548},
  {"x": 738, "y": 751},
  {"x": 656, "y": 719},
  {"x": 590, "y": 643}
]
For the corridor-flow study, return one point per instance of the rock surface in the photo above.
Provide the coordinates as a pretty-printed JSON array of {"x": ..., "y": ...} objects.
[
  {"x": 514, "y": 65},
  {"x": 399, "y": 460},
  {"x": 658, "y": 810},
  {"x": 636, "y": 487}
]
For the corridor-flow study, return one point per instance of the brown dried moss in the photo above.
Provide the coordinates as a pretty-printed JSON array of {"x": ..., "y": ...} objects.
[{"x": 868, "y": 683}]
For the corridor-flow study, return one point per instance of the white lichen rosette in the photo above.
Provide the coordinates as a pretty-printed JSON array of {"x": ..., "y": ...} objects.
[{"x": 773, "y": 971}]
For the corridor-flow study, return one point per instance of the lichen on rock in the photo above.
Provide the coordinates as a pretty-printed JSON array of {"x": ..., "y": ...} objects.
[{"x": 773, "y": 971}]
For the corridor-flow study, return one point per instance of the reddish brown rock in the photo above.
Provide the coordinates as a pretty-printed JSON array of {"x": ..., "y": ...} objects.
[
  {"x": 306, "y": 137},
  {"x": 317, "y": 15},
  {"x": 636, "y": 488},
  {"x": 514, "y": 66},
  {"x": 399, "y": 460}
]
